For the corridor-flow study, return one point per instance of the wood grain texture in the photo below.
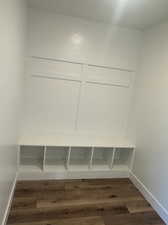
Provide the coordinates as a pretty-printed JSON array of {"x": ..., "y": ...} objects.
[{"x": 80, "y": 202}]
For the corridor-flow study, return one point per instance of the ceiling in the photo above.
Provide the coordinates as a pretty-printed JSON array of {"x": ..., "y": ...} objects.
[{"x": 137, "y": 14}]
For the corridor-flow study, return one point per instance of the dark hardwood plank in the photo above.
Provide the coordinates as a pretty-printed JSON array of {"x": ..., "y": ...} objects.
[
  {"x": 147, "y": 218},
  {"x": 24, "y": 203},
  {"x": 139, "y": 206},
  {"x": 80, "y": 202},
  {"x": 67, "y": 211},
  {"x": 70, "y": 221},
  {"x": 87, "y": 202}
]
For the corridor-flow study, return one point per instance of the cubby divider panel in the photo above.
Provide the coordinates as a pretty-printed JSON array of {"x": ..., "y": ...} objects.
[
  {"x": 80, "y": 158},
  {"x": 122, "y": 159},
  {"x": 56, "y": 159},
  {"x": 102, "y": 158},
  {"x": 31, "y": 158}
]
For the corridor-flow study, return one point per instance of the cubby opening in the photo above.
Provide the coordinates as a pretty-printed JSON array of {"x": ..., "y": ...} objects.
[
  {"x": 56, "y": 158},
  {"x": 102, "y": 158},
  {"x": 65, "y": 158},
  {"x": 122, "y": 159},
  {"x": 79, "y": 158},
  {"x": 31, "y": 158}
]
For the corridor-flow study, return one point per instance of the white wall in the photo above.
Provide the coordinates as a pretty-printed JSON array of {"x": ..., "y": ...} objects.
[
  {"x": 66, "y": 106},
  {"x": 151, "y": 164},
  {"x": 70, "y": 38},
  {"x": 12, "y": 24}
]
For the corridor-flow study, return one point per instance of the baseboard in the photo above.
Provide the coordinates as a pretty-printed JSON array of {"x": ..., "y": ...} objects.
[
  {"x": 163, "y": 213},
  {"x": 7, "y": 210},
  {"x": 72, "y": 175}
]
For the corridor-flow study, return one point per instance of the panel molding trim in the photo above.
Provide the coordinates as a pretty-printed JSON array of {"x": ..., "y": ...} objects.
[
  {"x": 66, "y": 70},
  {"x": 65, "y": 96},
  {"x": 81, "y": 63}
]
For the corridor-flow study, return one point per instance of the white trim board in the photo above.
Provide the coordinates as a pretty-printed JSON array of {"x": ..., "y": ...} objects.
[
  {"x": 72, "y": 175},
  {"x": 163, "y": 213},
  {"x": 80, "y": 63},
  {"x": 9, "y": 203},
  {"x": 76, "y": 140}
]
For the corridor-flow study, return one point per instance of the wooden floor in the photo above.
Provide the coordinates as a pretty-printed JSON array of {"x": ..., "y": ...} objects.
[{"x": 80, "y": 202}]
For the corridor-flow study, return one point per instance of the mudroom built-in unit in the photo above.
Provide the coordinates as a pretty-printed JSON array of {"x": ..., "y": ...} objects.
[
  {"x": 78, "y": 118},
  {"x": 78, "y": 115}
]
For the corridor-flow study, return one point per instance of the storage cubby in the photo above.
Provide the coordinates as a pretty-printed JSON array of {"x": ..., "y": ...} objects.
[
  {"x": 79, "y": 158},
  {"x": 102, "y": 158},
  {"x": 122, "y": 158},
  {"x": 31, "y": 158},
  {"x": 73, "y": 161},
  {"x": 56, "y": 158}
]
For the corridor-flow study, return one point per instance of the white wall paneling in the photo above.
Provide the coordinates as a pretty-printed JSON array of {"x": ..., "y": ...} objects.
[
  {"x": 79, "y": 85},
  {"x": 104, "y": 109},
  {"x": 68, "y": 38},
  {"x": 72, "y": 97},
  {"x": 81, "y": 75},
  {"x": 52, "y": 96},
  {"x": 107, "y": 76}
]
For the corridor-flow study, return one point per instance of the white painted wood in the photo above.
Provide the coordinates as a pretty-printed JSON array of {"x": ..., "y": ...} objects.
[
  {"x": 34, "y": 166},
  {"x": 55, "y": 77},
  {"x": 123, "y": 157},
  {"x": 76, "y": 97},
  {"x": 68, "y": 158},
  {"x": 31, "y": 158},
  {"x": 82, "y": 140},
  {"x": 18, "y": 157},
  {"x": 56, "y": 158},
  {"x": 44, "y": 157},
  {"x": 132, "y": 160},
  {"x": 78, "y": 40},
  {"x": 79, "y": 158},
  {"x": 74, "y": 161},
  {"x": 102, "y": 158},
  {"x": 95, "y": 74},
  {"x": 73, "y": 175},
  {"x": 113, "y": 157},
  {"x": 104, "y": 109},
  {"x": 51, "y": 105},
  {"x": 91, "y": 158},
  {"x": 62, "y": 61},
  {"x": 55, "y": 69},
  {"x": 82, "y": 84},
  {"x": 78, "y": 106}
]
